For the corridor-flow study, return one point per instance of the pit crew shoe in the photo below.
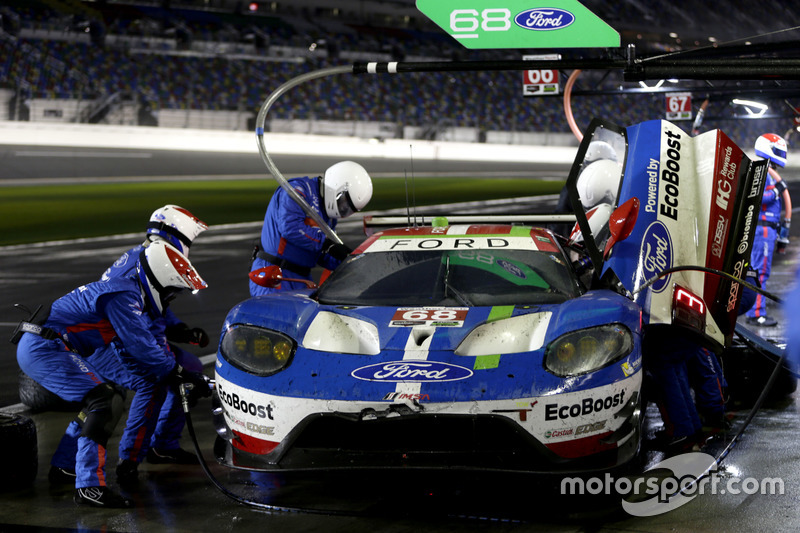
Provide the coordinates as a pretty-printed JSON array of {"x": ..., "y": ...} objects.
[
  {"x": 61, "y": 476},
  {"x": 716, "y": 423},
  {"x": 101, "y": 497},
  {"x": 763, "y": 321},
  {"x": 675, "y": 445},
  {"x": 178, "y": 456},
  {"x": 127, "y": 472}
]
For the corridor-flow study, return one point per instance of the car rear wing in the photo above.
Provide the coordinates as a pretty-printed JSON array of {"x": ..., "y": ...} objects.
[{"x": 376, "y": 223}]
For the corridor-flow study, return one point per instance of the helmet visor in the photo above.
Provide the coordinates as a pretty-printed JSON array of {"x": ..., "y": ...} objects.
[
  {"x": 170, "y": 293},
  {"x": 344, "y": 205}
]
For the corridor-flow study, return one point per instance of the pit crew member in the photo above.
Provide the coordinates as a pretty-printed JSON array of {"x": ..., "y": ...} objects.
[
  {"x": 770, "y": 229},
  {"x": 179, "y": 227},
  {"x": 113, "y": 316},
  {"x": 292, "y": 240}
]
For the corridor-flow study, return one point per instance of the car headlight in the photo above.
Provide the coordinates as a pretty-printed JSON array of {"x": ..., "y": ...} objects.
[
  {"x": 256, "y": 350},
  {"x": 332, "y": 332},
  {"x": 523, "y": 333},
  {"x": 587, "y": 350}
]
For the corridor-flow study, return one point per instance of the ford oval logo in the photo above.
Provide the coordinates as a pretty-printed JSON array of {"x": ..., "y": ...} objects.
[
  {"x": 411, "y": 372},
  {"x": 544, "y": 19},
  {"x": 656, "y": 253},
  {"x": 511, "y": 268}
]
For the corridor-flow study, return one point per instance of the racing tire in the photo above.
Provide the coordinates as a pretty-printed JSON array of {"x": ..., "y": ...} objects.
[
  {"x": 748, "y": 372},
  {"x": 38, "y": 399},
  {"x": 19, "y": 451}
]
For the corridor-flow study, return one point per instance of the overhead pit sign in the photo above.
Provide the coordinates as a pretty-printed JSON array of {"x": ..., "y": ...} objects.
[
  {"x": 481, "y": 24},
  {"x": 541, "y": 81},
  {"x": 679, "y": 106}
]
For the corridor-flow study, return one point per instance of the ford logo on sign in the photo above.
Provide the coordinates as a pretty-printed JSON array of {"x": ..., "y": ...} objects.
[
  {"x": 656, "y": 254},
  {"x": 411, "y": 372},
  {"x": 544, "y": 19}
]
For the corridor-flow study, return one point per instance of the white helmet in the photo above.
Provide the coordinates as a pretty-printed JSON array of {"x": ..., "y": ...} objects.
[
  {"x": 773, "y": 147},
  {"x": 164, "y": 272},
  {"x": 347, "y": 188},
  {"x": 598, "y": 218},
  {"x": 600, "y": 150},
  {"x": 598, "y": 183},
  {"x": 176, "y": 225}
]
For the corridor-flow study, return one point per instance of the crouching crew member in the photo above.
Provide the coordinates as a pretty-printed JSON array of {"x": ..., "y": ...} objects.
[
  {"x": 178, "y": 227},
  {"x": 107, "y": 316}
]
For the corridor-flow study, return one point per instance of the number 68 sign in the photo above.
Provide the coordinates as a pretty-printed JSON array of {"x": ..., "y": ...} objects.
[
  {"x": 429, "y": 316},
  {"x": 516, "y": 24}
]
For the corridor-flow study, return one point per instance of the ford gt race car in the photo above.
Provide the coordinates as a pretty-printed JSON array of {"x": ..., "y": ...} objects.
[
  {"x": 435, "y": 346},
  {"x": 497, "y": 346}
]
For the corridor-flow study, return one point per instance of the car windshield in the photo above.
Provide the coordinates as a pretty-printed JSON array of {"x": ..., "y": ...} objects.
[{"x": 464, "y": 277}]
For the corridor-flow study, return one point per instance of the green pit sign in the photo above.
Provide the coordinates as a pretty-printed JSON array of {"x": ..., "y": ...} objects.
[{"x": 486, "y": 24}]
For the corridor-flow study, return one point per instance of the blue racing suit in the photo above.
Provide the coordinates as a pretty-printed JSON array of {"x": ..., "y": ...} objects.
[
  {"x": 708, "y": 382},
  {"x": 291, "y": 239},
  {"x": 705, "y": 372},
  {"x": 791, "y": 310},
  {"x": 667, "y": 362},
  {"x": 764, "y": 243},
  {"x": 171, "y": 419},
  {"x": 109, "y": 317}
]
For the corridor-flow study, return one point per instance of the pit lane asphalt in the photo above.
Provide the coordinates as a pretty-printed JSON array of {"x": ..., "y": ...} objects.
[{"x": 181, "y": 498}]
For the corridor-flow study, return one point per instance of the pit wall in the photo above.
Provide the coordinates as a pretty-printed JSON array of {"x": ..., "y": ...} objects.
[
  {"x": 58, "y": 134},
  {"x": 291, "y": 139}
]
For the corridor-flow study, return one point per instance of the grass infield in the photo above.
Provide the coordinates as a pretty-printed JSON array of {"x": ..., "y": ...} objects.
[{"x": 55, "y": 212}]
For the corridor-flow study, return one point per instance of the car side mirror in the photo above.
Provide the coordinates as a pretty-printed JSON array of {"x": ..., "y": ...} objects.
[
  {"x": 621, "y": 223},
  {"x": 272, "y": 275}
]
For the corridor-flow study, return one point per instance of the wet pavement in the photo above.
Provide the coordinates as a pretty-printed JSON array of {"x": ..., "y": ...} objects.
[{"x": 183, "y": 498}]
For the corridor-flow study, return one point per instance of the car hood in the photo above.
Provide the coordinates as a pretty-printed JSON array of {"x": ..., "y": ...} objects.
[
  {"x": 476, "y": 330},
  {"x": 471, "y": 353}
]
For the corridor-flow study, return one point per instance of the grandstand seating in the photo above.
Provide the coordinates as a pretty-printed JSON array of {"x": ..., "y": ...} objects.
[{"x": 153, "y": 60}]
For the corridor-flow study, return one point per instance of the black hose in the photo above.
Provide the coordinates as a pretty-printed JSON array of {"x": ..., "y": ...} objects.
[
  {"x": 780, "y": 362},
  {"x": 756, "y": 405},
  {"x": 731, "y": 277},
  {"x": 239, "y": 499}
]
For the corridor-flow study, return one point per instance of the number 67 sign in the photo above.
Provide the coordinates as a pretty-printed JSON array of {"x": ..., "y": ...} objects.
[{"x": 679, "y": 106}]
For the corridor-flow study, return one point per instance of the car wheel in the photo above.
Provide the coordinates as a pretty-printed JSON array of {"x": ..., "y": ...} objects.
[
  {"x": 38, "y": 399},
  {"x": 747, "y": 373},
  {"x": 19, "y": 451}
]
